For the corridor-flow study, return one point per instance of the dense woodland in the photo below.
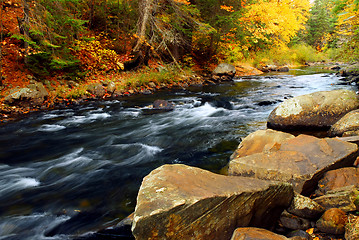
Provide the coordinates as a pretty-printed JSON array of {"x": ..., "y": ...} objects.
[{"x": 90, "y": 38}]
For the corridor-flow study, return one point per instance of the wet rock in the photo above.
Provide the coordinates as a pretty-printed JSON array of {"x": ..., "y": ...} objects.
[
  {"x": 337, "y": 179},
  {"x": 224, "y": 72},
  {"x": 32, "y": 95},
  {"x": 260, "y": 141},
  {"x": 333, "y": 221},
  {"x": 283, "y": 69},
  {"x": 345, "y": 198},
  {"x": 316, "y": 111},
  {"x": 163, "y": 104},
  {"x": 305, "y": 207},
  {"x": 294, "y": 222},
  {"x": 251, "y": 233},
  {"x": 347, "y": 125},
  {"x": 96, "y": 89},
  {"x": 182, "y": 202},
  {"x": 299, "y": 234},
  {"x": 301, "y": 161},
  {"x": 352, "y": 228}
]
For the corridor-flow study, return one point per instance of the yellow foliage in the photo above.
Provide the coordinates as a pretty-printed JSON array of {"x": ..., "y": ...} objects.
[
  {"x": 227, "y": 8},
  {"x": 348, "y": 20},
  {"x": 275, "y": 22}
]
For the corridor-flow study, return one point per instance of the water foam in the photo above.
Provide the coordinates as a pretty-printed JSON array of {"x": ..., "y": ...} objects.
[{"x": 51, "y": 128}]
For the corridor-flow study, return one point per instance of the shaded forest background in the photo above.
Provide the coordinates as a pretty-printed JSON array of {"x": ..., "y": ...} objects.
[{"x": 78, "y": 39}]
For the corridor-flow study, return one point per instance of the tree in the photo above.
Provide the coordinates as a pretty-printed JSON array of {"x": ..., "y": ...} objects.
[{"x": 320, "y": 25}]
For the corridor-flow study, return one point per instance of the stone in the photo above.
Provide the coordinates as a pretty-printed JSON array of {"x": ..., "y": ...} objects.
[
  {"x": 151, "y": 85},
  {"x": 315, "y": 111},
  {"x": 225, "y": 69},
  {"x": 293, "y": 222},
  {"x": 305, "y": 207},
  {"x": 32, "y": 95},
  {"x": 301, "y": 161},
  {"x": 259, "y": 141},
  {"x": 333, "y": 221},
  {"x": 337, "y": 179},
  {"x": 299, "y": 234},
  {"x": 182, "y": 202},
  {"x": 345, "y": 198},
  {"x": 111, "y": 87},
  {"x": 96, "y": 89},
  {"x": 347, "y": 125},
  {"x": 283, "y": 69},
  {"x": 251, "y": 233}
]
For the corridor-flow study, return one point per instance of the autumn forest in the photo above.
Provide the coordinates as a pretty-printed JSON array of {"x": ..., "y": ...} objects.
[{"x": 88, "y": 40}]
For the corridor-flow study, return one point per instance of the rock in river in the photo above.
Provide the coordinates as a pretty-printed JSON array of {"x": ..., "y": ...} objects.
[
  {"x": 319, "y": 110},
  {"x": 347, "y": 125},
  {"x": 301, "y": 161},
  {"x": 182, "y": 202}
]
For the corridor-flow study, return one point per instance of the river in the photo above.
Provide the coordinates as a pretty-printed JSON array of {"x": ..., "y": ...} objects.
[{"x": 84, "y": 165}]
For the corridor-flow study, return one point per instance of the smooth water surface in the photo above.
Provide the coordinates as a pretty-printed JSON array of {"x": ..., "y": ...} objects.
[{"x": 84, "y": 165}]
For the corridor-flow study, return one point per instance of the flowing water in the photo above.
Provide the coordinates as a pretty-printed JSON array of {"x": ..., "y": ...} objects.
[{"x": 83, "y": 166}]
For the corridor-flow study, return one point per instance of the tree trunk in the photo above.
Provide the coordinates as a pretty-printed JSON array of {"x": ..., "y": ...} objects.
[{"x": 146, "y": 9}]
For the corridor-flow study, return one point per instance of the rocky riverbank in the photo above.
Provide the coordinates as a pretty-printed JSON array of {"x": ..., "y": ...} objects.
[
  {"x": 278, "y": 185},
  {"x": 37, "y": 95}
]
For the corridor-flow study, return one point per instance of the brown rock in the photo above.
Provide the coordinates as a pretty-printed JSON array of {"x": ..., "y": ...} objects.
[
  {"x": 344, "y": 198},
  {"x": 333, "y": 221},
  {"x": 259, "y": 141},
  {"x": 251, "y": 233},
  {"x": 305, "y": 207},
  {"x": 319, "y": 110},
  {"x": 301, "y": 161},
  {"x": 293, "y": 222},
  {"x": 337, "y": 179},
  {"x": 182, "y": 202},
  {"x": 347, "y": 124},
  {"x": 96, "y": 89}
]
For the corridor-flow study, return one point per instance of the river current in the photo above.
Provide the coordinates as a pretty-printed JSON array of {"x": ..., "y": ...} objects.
[{"x": 84, "y": 165}]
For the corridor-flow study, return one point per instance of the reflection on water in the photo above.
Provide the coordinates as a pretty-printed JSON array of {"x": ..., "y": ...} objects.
[{"x": 86, "y": 163}]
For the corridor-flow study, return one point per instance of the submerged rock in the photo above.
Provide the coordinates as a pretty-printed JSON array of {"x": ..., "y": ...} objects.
[
  {"x": 301, "y": 161},
  {"x": 319, "y": 110},
  {"x": 182, "y": 202}
]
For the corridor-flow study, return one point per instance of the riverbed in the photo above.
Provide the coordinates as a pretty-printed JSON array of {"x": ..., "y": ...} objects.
[{"x": 84, "y": 164}]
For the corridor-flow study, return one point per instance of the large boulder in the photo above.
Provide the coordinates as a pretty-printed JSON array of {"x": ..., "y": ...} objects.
[
  {"x": 32, "y": 95},
  {"x": 347, "y": 125},
  {"x": 338, "y": 178},
  {"x": 224, "y": 72},
  {"x": 259, "y": 141},
  {"x": 319, "y": 110},
  {"x": 182, "y": 202},
  {"x": 301, "y": 161},
  {"x": 251, "y": 233}
]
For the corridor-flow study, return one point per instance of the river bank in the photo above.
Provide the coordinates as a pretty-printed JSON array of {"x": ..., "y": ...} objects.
[{"x": 36, "y": 95}]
